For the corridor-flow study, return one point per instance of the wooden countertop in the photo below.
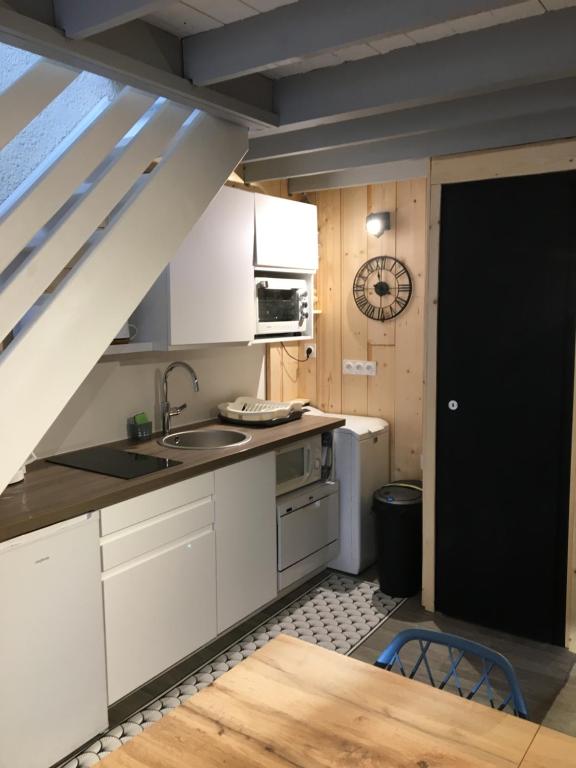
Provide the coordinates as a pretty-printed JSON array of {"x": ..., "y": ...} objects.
[
  {"x": 294, "y": 704},
  {"x": 51, "y": 494}
]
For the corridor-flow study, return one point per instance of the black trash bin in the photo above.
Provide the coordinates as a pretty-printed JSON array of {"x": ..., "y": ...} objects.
[{"x": 398, "y": 510}]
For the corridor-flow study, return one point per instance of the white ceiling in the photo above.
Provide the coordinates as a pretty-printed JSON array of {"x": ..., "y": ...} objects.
[{"x": 188, "y": 17}]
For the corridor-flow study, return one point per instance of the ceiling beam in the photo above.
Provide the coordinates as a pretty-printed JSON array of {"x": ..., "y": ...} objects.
[
  {"x": 88, "y": 17},
  {"x": 357, "y": 177},
  {"x": 488, "y": 135},
  {"x": 308, "y": 27},
  {"x": 24, "y": 32},
  {"x": 526, "y": 51},
  {"x": 529, "y": 99}
]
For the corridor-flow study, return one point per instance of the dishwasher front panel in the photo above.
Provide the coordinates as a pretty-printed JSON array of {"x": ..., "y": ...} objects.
[{"x": 306, "y": 530}]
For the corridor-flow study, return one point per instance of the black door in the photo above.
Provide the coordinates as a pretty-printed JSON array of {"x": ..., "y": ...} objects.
[{"x": 507, "y": 302}]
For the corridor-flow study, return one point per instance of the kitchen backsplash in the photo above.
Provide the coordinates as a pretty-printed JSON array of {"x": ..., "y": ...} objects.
[{"x": 125, "y": 385}]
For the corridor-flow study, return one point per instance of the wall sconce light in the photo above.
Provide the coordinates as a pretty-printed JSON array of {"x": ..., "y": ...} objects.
[{"x": 378, "y": 223}]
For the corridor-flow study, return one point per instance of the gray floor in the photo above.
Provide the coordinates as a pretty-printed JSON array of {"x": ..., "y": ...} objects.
[{"x": 547, "y": 674}]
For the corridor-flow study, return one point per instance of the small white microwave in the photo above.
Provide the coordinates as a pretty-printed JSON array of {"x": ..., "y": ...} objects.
[
  {"x": 298, "y": 464},
  {"x": 282, "y": 306}
]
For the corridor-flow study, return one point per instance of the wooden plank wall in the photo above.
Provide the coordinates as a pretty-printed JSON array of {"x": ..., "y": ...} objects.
[{"x": 342, "y": 332}]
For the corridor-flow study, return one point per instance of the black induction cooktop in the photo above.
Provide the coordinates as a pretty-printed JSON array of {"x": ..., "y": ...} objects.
[{"x": 113, "y": 462}]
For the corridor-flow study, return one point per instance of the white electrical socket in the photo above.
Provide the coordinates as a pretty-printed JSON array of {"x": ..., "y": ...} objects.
[
  {"x": 348, "y": 367},
  {"x": 370, "y": 368},
  {"x": 312, "y": 354},
  {"x": 359, "y": 367}
]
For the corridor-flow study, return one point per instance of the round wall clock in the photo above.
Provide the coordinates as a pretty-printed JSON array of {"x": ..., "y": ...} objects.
[{"x": 382, "y": 288}]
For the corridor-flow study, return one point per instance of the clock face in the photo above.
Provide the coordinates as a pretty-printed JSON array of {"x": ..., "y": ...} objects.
[{"x": 382, "y": 288}]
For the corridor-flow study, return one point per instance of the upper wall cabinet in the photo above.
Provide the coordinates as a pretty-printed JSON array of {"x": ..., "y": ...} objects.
[
  {"x": 206, "y": 295},
  {"x": 286, "y": 234}
]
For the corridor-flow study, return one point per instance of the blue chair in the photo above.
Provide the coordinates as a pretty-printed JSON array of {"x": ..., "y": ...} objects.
[{"x": 457, "y": 648}]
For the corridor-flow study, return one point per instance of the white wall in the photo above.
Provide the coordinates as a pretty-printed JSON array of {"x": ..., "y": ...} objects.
[
  {"x": 40, "y": 137},
  {"x": 129, "y": 384}
]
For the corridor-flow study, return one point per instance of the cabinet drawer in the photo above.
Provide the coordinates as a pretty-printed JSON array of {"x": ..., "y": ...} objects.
[
  {"x": 148, "y": 505},
  {"x": 121, "y": 546},
  {"x": 158, "y": 610}
]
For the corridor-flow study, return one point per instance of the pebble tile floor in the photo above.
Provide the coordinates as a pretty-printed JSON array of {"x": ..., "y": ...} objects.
[{"x": 338, "y": 614}]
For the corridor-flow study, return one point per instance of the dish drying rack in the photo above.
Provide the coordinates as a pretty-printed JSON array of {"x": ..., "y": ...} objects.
[{"x": 254, "y": 411}]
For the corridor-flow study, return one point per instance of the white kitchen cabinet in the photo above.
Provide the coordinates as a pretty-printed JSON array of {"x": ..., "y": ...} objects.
[
  {"x": 119, "y": 517},
  {"x": 156, "y": 533},
  {"x": 206, "y": 295},
  {"x": 159, "y": 609},
  {"x": 286, "y": 234},
  {"x": 159, "y": 581},
  {"x": 52, "y": 664},
  {"x": 246, "y": 559}
]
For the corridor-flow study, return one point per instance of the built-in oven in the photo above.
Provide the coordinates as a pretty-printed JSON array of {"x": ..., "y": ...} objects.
[
  {"x": 298, "y": 464},
  {"x": 282, "y": 306}
]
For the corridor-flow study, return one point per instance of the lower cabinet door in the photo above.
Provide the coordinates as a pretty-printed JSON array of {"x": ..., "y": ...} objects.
[
  {"x": 158, "y": 609},
  {"x": 245, "y": 499}
]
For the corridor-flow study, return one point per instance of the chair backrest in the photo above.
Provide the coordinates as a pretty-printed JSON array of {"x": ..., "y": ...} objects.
[{"x": 458, "y": 648}]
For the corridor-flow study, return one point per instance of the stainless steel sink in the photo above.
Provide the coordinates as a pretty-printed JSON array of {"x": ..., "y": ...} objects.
[{"x": 200, "y": 439}]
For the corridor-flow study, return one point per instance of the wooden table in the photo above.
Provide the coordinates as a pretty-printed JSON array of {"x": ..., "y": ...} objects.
[
  {"x": 551, "y": 749},
  {"x": 294, "y": 705}
]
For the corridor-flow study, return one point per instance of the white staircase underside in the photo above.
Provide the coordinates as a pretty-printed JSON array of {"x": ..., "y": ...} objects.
[
  {"x": 28, "y": 96},
  {"x": 46, "y": 262},
  {"x": 29, "y": 208},
  {"x": 54, "y": 220}
]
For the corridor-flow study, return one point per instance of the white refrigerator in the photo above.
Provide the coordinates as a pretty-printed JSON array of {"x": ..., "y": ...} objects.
[
  {"x": 361, "y": 465},
  {"x": 52, "y": 663}
]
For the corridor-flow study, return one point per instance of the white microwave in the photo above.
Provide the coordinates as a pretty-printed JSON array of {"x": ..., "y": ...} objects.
[
  {"x": 298, "y": 464},
  {"x": 282, "y": 306}
]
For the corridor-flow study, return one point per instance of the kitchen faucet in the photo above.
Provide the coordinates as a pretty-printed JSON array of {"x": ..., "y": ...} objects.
[{"x": 165, "y": 409}]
